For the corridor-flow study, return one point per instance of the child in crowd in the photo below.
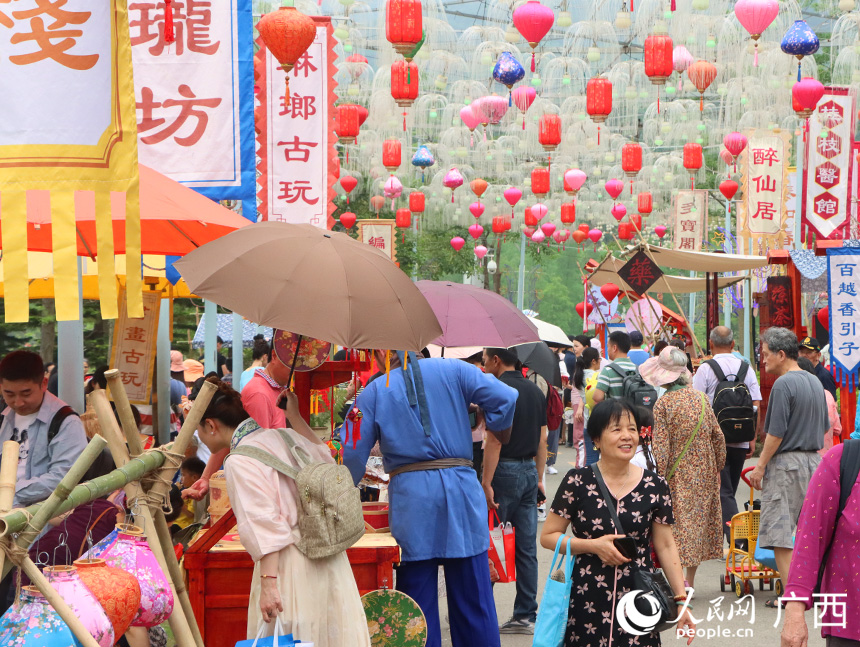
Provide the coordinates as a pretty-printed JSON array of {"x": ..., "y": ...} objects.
[{"x": 190, "y": 471}]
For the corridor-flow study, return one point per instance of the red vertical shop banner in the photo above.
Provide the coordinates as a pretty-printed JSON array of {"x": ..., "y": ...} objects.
[
  {"x": 298, "y": 164},
  {"x": 828, "y": 168}
]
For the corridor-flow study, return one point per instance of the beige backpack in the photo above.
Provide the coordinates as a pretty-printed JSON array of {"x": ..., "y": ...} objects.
[{"x": 330, "y": 515}]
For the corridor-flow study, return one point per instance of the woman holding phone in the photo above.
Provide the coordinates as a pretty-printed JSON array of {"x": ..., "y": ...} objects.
[{"x": 607, "y": 558}]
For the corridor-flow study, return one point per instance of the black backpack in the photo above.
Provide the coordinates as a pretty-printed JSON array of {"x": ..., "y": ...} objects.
[
  {"x": 733, "y": 404},
  {"x": 634, "y": 389}
]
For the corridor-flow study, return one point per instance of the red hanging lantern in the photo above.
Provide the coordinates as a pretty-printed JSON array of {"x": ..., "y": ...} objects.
[
  {"x": 346, "y": 124},
  {"x": 625, "y": 231},
  {"x": 530, "y": 219},
  {"x": 416, "y": 202},
  {"x": 598, "y": 101},
  {"x": 363, "y": 114},
  {"x": 347, "y": 219},
  {"x": 702, "y": 74},
  {"x": 549, "y": 132},
  {"x": 404, "y": 85},
  {"x": 499, "y": 225},
  {"x": 568, "y": 213},
  {"x": 631, "y": 161},
  {"x": 348, "y": 183},
  {"x": 692, "y": 160},
  {"x": 644, "y": 203},
  {"x": 636, "y": 222},
  {"x": 404, "y": 27},
  {"x": 658, "y": 61},
  {"x": 540, "y": 181},
  {"x": 403, "y": 218},
  {"x": 287, "y": 33},
  {"x": 391, "y": 154}
]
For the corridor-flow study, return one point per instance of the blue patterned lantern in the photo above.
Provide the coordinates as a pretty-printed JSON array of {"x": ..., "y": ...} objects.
[
  {"x": 423, "y": 159},
  {"x": 508, "y": 71},
  {"x": 32, "y": 622},
  {"x": 800, "y": 41}
]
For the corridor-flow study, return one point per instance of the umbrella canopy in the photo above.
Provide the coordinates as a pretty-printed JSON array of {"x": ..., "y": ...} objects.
[
  {"x": 473, "y": 316},
  {"x": 173, "y": 219},
  {"x": 542, "y": 360},
  {"x": 313, "y": 282},
  {"x": 550, "y": 333},
  {"x": 225, "y": 332}
]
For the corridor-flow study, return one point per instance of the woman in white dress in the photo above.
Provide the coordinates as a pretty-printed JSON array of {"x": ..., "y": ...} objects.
[{"x": 316, "y": 600}]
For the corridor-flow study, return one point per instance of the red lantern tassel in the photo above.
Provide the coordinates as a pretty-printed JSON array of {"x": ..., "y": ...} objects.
[
  {"x": 672, "y": 6},
  {"x": 533, "y": 60},
  {"x": 404, "y": 121},
  {"x": 169, "y": 31},
  {"x": 631, "y": 6},
  {"x": 524, "y": 121},
  {"x": 702, "y": 102},
  {"x": 755, "y": 58},
  {"x": 658, "y": 99},
  {"x": 452, "y": 196},
  {"x": 598, "y": 134}
]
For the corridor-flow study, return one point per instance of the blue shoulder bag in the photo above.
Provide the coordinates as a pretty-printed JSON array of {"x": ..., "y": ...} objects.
[{"x": 555, "y": 603}]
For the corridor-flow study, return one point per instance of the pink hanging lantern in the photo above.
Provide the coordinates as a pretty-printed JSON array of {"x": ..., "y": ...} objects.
[
  {"x": 539, "y": 211},
  {"x": 727, "y": 157},
  {"x": 595, "y": 235},
  {"x": 477, "y": 209},
  {"x": 755, "y": 16},
  {"x": 452, "y": 180},
  {"x": 614, "y": 188},
  {"x": 735, "y": 143},
  {"x": 538, "y": 236},
  {"x": 512, "y": 195},
  {"x": 806, "y": 93},
  {"x": 475, "y": 231},
  {"x": 548, "y": 228},
  {"x": 681, "y": 60},
  {"x": 533, "y": 21},
  {"x": 457, "y": 243},
  {"x": 660, "y": 230},
  {"x": 70, "y": 587},
  {"x": 493, "y": 107},
  {"x": 468, "y": 116},
  {"x": 573, "y": 180},
  {"x": 480, "y": 251},
  {"x": 523, "y": 97},
  {"x": 619, "y": 211},
  {"x": 393, "y": 189}
]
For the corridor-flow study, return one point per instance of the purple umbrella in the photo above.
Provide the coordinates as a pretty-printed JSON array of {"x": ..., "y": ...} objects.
[{"x": 473, "y": 316}]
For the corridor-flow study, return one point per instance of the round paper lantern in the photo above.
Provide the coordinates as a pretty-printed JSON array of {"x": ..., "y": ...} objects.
[
  {"x": 346, "y": 124},
  {"x": 416, "y": 202},
  {"x": 549, "y": 132},
  {"x": 568, "y": 213},
  {"x": 547, "y": 228},
  {"x": 735, "y": 143},
  {"x": 631, "y": 160},
  {"x": 528, "y": 231},
  {"x": 579, "y": 236},
  {"x": 681, "y": 60},
  {"x": 475, "y": 231},
  {"x": 287, "y": 34},
  {"x": 755, "y": 16},
  {"x": 539, "y": 211},
  {"x": 609, "y": 291},
  {"x": 363, "y": 114},
  {"x": 347, "y": 219},
  {"x": 376, "y": 203},
  {"x": 823, "y": 317},
  {"x": 540, "y": 181},
  {"x": 584, "y": 309},
  {"x": 457, "y": 243},
  {"x": 393, "y": 189},
  {"x": 595, "y": 235},
  {"x": 492, "y": 108},
  {"x": 476, "y": 209},
  {"x": 658, "y": 58},
  {"x": 625, "y": 231},
  {"x": 533, "y": 21},
  {"x": 404, "y": 25},
  {"x": 71, "y": 588},
  {"x": 573, "y": 180},
  {"x": 468, "y": 116},
  {"x": 585, "y": 229},
  {"x": 538, "y": 236},
  {"x": 391, "y": 157},
  {"x": 598, "y": 100},
  {"x": 452, "y": 180},
  {"x": 619, "y": 211},
  {"x": 529, "y": 218},
  {"x": 805, "y": 95},
  {"x": 702, "y": 74},
  {"x": 480, "y": 251},
  {"x": 348, "y": 183},
  {"x": 478, "y": 186},
  {"x": 403, "y": 218},
  {"x": 499, "y": 225},
  {"x": 117, "y": 592},
  {"x": 728, "y": 188},
  {"x": 636, "y": 222},
  {"x": 423, "y": 159},
  {"x": 614, "y": 188},
  {"x": 727, "y": 158},
  {"x": 660, "y": 230},
  {"x": 523, "y": 98},
  {"x": 512, "y": 196},
  {"x": 508, "y": 71},
  {"x": 32, "y": 622},
  {"x": 800, "y": 41},
  {"x": 644, "y": 203}
]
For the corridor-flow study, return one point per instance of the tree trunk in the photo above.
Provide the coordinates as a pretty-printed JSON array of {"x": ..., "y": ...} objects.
[
  {"x": 48, "y": 343},
  {"x": 497, "y": 278}
]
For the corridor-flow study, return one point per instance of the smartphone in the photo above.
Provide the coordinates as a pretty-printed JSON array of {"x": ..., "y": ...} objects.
[
  {"x": 626, "y": 546},
  {"x": 541, "y": 497},
  {"x": 473, "y": 419}
]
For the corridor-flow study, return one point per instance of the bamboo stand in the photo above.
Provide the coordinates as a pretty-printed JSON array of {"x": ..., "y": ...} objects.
[{"x": 8, "y": 475}]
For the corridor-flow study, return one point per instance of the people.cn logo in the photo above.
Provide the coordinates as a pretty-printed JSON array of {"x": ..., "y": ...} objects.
[{"x": 630, "y": 615}]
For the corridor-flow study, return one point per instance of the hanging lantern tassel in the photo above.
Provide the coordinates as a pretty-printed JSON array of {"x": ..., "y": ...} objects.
[
  {"x": 452, "y": 196},
  {"x": 598, "y": 134},
  {"x": 631, "y": 6},
  {"x": 672, "y": 6},
  {"x": 755, "y": 56},
  {"x": 533, "y": 58},
  {"x": 702, "y": 102},
  {"x": 798, "y": 70},
  {"x": 169, "y": 31},
  {"x": 404, "y": 121},
  {"x": 524, "y": 121},
  {"x": 658, "y": 99},
  {"x": 510, "y": 98}
]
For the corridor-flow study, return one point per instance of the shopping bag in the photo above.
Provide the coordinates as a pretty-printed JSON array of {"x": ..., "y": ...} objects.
[
  {"x": 555, "y": 603},
  {"x": 279, "y": 639},
  {"x": 502, "y": 548}
]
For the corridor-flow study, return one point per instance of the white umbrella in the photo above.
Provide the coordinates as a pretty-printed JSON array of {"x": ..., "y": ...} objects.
[{"x": 550, "y": 333}]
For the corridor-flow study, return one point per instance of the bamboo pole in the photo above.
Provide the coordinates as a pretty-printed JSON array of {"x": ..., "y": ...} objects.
[
  {"x": 8, "y": 476},
  {"x": 123, "y": 408}
]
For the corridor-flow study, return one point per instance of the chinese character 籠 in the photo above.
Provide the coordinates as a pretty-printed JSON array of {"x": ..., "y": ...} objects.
[
  {"x": 847, "y": 288},
  {"x": 377, "y": 241},
  {"x": 765, "y": 156},
  {"x": 298, "y": 106},
  {"x": 765, "y": 183},
  {"x": 135, "y": 333},
  {"x": 846, "y": 269},
  {"x": 687, "y": 243},
  {"x": 296, "y": 150},
  {"x": 52, "y": 41},
  {"x": 688, "y": 225},
  {"x": 304, "y": 65},
  {"x": 132, "y": 356},
  {"x": 765, "y": 211},
  {"x": 191, "y": 22},
  {"x": 292, "y": 191},
  {"x": 189, "y": 106}
]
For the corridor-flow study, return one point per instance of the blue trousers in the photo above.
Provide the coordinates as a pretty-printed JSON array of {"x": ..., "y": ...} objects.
[
  {"x": 471, "y": 607},
  {"x": 591, "y": 454}
]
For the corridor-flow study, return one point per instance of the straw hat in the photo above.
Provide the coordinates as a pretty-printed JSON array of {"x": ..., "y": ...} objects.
[{"x": 662, "y": 370}]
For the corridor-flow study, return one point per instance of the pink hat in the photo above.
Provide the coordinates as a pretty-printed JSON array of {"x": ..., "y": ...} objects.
[
  {"x": 176, "y": 365},
  {"x": 662, "y": 370}
]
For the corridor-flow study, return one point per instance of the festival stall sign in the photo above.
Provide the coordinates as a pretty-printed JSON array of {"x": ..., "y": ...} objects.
[
  {"x": 640, "y": 272},
  {"x": 827, "y": 174},
  {"x": 298, "y": 164},
  {"x": 690, "y": 216},
  {"x": 763, "y": 212},
  {"x": 68, "y": 134},
  {"x": 380, "y": 234},
  {"x": 843, "y": 292},
  {"x": 195, "y": 95},
  {"x": 779, "y": 300},
  {"x": 133, "y": 349}
]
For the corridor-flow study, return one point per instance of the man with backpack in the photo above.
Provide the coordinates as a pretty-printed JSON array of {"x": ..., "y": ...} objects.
[
  {"x": 49, "y": 433},
  {"x": 733, "y": 390},
  {"x": 620, "y": 378}
]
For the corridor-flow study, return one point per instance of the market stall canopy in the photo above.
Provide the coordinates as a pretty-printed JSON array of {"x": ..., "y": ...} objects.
[
  {"x": 550, "y": 333},
  {"x": 225, "y": 332},
  {"x": 173, "y": 219},
  {"x": 472, "y": 316},
  {"x": 607, "y": 272},
  {"x": 711, "y": 262},
  {"x": 314, "y": 282}
]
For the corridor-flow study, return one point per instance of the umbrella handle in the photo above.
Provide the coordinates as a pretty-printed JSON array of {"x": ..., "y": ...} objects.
[{"x": 295, "y": 358}]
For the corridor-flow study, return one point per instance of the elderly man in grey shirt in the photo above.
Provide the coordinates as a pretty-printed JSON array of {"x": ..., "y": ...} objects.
[{"x": 794, "y": 426}]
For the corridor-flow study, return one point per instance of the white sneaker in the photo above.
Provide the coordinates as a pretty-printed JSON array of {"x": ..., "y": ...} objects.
[
  {"x": 541, "y": 516},
  {"x": 551, "y": 470}
]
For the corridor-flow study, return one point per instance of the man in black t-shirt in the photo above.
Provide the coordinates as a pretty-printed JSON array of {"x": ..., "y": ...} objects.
[{"x": 513, "y": 475}]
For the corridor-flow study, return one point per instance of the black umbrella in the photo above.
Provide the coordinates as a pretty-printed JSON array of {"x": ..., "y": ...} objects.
[{"x": 540, "y": 358}]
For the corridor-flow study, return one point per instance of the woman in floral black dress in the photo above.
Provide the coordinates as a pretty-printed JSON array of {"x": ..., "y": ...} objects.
[{"x": 602, "y": 573}]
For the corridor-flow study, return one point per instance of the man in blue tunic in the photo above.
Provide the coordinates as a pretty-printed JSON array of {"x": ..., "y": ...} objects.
[{"x": 437, "y": 509}]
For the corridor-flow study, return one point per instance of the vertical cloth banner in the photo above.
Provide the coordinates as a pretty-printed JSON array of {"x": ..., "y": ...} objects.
[
  {"x": 827, "y": 174},
  {"x": 779, "y": 296},
  {"x": 763, "y": 213},
  {"x": 68, "y": 133},
  {"x": 690, "y": 218},
  {"x": 843, "y": 292},
  {"x": 195, "y": 96},
  {"x": 133, "y": 350},
  {"x": 298, "y": 163},
  {"x": 380, "y": 234}
]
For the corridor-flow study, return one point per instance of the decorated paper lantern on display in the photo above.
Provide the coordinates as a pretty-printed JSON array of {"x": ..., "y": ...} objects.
[
  {"x": 735, "y": 143},
  {"x": 469, "y": 117},
  {"x": 584, "y": 309},
  {"x": 595, "y": 235},
  {"x": 579, "y": 236},
  {"x": 533, "y": 21},
  {"x": 547, "y": 228},
  {"x": 416, "y": 202},
  {"x": 348, "y": 183},
  {"x": 475, "y": 231},
  {"x": 823, "y": 317},
  {"x": 423, "y": 159},
  {"x": 404, "y": 85},
  {"x": 568, "y": 213},
  {"x": 540, "y": 181},
  {"x": 728, "y": 188},
  {"x": 528, "y": 232},
  {"x": 598, "y": 101},
  {"x": 71, "y": 588},
  {"x": 636, "y": 222},
  {"x": 619, "y": 211},
  {"x": 508, "y": 72},
  {"x": 404, "y": 27},
  {"x": 287, "y": 34},
  {"x": 625, "y": 231},
  {"x": 702, "y": 74},
  {"x": 393, "y": 189},
  {"x": 681, "y": 61},
  {"x": 512, "y": 196},
  {"x": 660, "y": 230},
  {"x": 644, "y": 203},
  {"x": 523, "y": 97},
  {"x": 529, "y": 218},
  {"x": 609, "y": 291},
  {"x": 585, "y": 229},
  {"x": 805, "y": 95},
  {"x": 480, "y": 251},
  {"x": 549, "y": 132},
  {"x": 476, "y": 209},
  {"x": 347, "y": 219},
  {"x": 32, "y": 622},
  {"x": 346, "y": 124},
  {"x": 539, "y": 211},
  {"x": 403, "y": 219},
  {"x": 376, "y": 203},
  {"x": 492, "y": 108},
  {"x": 800, "y": 41},
  {"x": 658, "y": 59},
  {"x": 692, "y": 160},
  {"x": 499, "y": 225},
  {"x": 363, "y": 114},
  {"x": 755, "y": 16},
  {"x": 391, "y": 154},
  {"x": 478, "y": 187},
  {"x": 452, "y": 180},
  {"x": 457, "y": 243},
  {"x": 573, "y": 180},
  {"x": 614, "y": 188},
  {"x": 631, "y": 161},
  {"x": 538, "y": 236}
]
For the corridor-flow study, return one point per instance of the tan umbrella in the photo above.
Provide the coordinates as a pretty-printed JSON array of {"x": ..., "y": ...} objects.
[{"x": 313, "y": 282}]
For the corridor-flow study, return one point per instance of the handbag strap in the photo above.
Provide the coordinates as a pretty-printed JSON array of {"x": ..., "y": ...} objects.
[
  {"x": 608, "y": 498},
  {"x": 568, "y": 566},
  {"x": 689, "y": 440}
]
